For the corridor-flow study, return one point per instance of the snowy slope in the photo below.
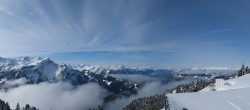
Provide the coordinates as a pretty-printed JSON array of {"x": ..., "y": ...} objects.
[
  {"x": 233, "y": 96},
  {"x": 238, "y": 99},
  {"x": 236, "y": 83}
]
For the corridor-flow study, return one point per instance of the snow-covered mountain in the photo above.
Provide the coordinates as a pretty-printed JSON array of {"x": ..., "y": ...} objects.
[
  {"x": 34, "y": 70},
  {"x": 98, "y": 69},
  {"x": 37, "y": 69}
]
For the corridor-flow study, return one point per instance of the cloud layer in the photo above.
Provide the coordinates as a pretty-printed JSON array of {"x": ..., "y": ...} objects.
[
  {"x": 63, "y": 96},
  {"x": 150, "y": 88},
  {"x": 56, "y": 96}
]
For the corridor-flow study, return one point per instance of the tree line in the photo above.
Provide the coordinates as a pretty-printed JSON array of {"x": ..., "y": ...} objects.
[
  {"x": 154, "y": 102},
  {"x": 5, "y": 106}
]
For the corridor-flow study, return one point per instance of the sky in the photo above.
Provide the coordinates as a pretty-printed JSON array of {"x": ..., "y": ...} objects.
[{"x": 141, "y": 33}]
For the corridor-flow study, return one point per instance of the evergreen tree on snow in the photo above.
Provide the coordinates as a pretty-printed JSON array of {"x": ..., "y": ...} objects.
[{"x": 18, "y": 107}]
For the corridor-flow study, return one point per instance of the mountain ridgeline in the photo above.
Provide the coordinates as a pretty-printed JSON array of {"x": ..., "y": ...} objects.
[{"x": 36, "y": 70}]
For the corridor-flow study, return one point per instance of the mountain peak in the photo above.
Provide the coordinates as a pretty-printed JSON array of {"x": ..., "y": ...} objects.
[
  {"x": 27, "y": 58},
  {"x": 123, "y": 67},
  {"x": 24, "y": 57},
  {"x": 1, "y": 59},
  {"x": 43, "y": 60}
]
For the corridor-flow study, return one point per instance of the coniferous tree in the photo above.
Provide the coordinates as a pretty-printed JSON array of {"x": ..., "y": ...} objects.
[
  {"x": 246, "y": 70},
  {"x": 4, "y": 105},
  {"x": 18, "y": 107},
  {"x": 27, "y": 107},
  {"x": 7, "y": 106},
  {"x": 33, "y": 108}
]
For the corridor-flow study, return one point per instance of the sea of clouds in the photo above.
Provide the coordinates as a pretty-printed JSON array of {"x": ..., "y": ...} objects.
[{"x": 64, "y": 96}]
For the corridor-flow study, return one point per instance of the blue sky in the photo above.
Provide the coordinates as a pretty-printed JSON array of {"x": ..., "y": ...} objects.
[{"x": 151, "y": 33}]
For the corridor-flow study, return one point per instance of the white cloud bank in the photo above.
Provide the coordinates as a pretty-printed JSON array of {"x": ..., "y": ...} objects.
[
  {"x": 56, "y": 96},
  {"x": 13, "y": 83},
  {"x": 63, "y": 96},
  {"x": 150, "y": 88}
]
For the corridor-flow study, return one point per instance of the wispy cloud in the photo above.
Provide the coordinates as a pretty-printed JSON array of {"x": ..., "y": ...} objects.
[
  {"x": 35, "y": 27},
  {"x": 38, "y": 28}
]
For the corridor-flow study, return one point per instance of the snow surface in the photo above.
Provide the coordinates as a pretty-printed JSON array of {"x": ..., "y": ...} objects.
[
  {"x": 233, "y": 96},
  {"x": 238, "y": 99},
  {"x": 107, "y": 82},
  {"x": 236, "y": 83}
]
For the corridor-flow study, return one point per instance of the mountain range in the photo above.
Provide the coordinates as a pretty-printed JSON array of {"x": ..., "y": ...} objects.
[{"x": 36, "y": 70}]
